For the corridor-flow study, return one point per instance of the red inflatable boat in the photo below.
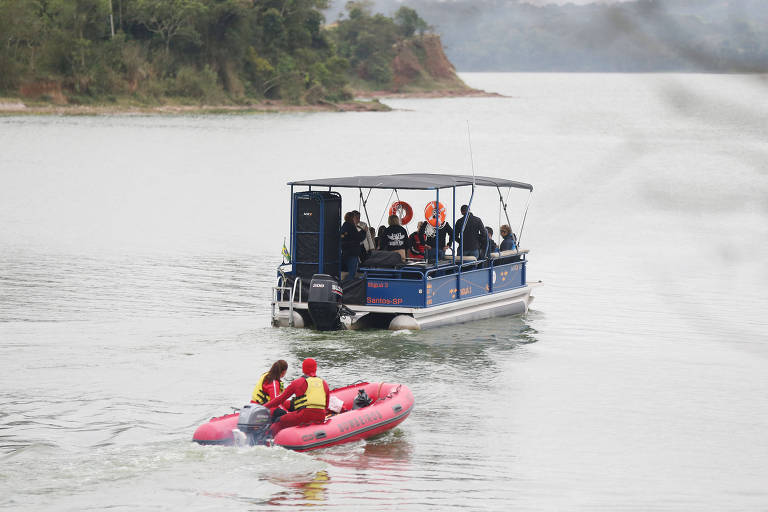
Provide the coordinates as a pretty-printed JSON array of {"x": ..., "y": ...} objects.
[{"x": 390, "y": 405}]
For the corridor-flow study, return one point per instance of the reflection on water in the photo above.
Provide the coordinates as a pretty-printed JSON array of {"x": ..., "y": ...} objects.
[
  {"x": 459, "y": 348},
  {"x": 389, "y": 452},
  {"x": 312, "y": 490}
]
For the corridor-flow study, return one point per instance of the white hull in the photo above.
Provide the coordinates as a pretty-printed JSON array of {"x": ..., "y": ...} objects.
[{"x": 510, "y": 302}]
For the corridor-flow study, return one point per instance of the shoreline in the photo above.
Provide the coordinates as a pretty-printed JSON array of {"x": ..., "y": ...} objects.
[
  {"x": 441, "y": 93},
  {"x": 365, "y": 101},
  {"x": 18, "y": 107}
]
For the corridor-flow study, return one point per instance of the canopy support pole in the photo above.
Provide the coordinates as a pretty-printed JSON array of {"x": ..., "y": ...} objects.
[
  {"x": 527, "y": 204},
  {"x": 437, "y": 227},
  {"x": 464, "y": 224},
  {"x": 364, "y": 201},
  {"x": 504, "y": 204},
  {"x": 293, "y": 251},
  {"x": 453, "y": 238},
  {"x": 385, "y": 209}
]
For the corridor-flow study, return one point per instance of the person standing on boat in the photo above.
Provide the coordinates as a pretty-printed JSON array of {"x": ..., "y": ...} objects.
[
  {"x": 434, "y": 239},
  {"x": 269, "y": 386},
  {"x": 395, "y": 237},
  {"x": 474, "y": 240},
  {"x": 367, "y": 244},
  {"x": 311, "y": 399},
  {"x": 351, "y": 238},
  {"x": 509, "y": 240}
]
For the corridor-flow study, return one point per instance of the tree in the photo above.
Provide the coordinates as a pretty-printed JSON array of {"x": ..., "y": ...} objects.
[
  {"x": 169, "y": 19},
  {"x": 76, "y": 24},
  {"x": 410, "y": 22},
  {"x": 21, "y": 35},
  {"x": 367, "y": 41}
]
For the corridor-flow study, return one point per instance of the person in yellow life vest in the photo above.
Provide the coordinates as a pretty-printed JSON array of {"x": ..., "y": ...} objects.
[
  {"x": 269, "y": 386},
  {"x": 311, "y": 399}
]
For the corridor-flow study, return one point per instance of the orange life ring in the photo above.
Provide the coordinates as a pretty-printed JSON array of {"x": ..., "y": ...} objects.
[
  {"x": 402, "y": 210},
  {"x": 430, "y": 214}
]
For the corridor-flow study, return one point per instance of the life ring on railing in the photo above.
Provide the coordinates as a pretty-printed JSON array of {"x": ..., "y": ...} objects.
[
  {"x": 402, "y": 210},
  {"x": 430, "y": 213}
]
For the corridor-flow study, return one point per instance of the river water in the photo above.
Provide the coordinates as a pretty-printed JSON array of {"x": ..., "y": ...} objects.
[{"x": 137, "y": 255}]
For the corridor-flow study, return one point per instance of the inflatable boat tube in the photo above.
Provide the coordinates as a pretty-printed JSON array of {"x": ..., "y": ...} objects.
[{"x": 391, "y": 404}]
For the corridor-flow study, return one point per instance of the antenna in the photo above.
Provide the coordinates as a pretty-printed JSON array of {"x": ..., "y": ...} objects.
[
  {"x": 471, "y": 158},
  {"x": 471, "y": 196}
]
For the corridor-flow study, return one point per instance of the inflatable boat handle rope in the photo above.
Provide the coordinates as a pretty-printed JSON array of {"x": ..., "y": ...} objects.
[{"x": 393, "y": 392}]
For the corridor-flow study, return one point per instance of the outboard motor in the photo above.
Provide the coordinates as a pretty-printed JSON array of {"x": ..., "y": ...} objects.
[
  {"x": 324, "y": 302},
  {"x": 361, "y": 400},
  {"x": 254, "y": 422}
]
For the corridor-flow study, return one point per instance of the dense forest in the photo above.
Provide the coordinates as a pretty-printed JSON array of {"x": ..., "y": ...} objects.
[
  {"x": 631, "y": 36},
  {"x": 216, "y": 51}
]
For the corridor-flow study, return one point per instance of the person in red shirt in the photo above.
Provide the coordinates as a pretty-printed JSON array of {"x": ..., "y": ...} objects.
[
  {"x": 417, "y": 244},
  {"x": 311, "y": 400},
  {"x": 269, "y": 386}
]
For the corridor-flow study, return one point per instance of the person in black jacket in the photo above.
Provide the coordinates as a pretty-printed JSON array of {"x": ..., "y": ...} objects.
[
  {"x": 350, "y": 245},
  {"x": 434, "y": 239},
  {"x": 475, "y": 237},
  {"x": 395, "y": 237},
  {"x": 379, "y": 234},
  {"x": 492, "y": 247}
]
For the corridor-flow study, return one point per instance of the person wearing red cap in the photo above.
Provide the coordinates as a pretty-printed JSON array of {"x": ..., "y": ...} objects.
[{"x": 311, "y": 399}]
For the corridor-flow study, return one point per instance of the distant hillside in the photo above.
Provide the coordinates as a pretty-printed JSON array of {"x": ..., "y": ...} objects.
[
  {"x": 634, "y": 36},
  {"x": 213, "y": 52},
  {"x": 421, "y": 64},
  {"x": 396, "y": 54}
]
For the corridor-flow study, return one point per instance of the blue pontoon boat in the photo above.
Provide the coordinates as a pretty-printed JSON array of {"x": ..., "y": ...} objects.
[{"x": 408, "y": 294}]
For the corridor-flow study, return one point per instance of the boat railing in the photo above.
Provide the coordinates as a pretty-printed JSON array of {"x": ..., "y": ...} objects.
[
  {"x": 279, "y": 291},
  {"x": 296, "y": 284},
  {"x": 395, "y": 272},
  {"x": 425, "y": 271},
  {"x": 460, "y": 267},
  {"x": 468, "y": 262}
]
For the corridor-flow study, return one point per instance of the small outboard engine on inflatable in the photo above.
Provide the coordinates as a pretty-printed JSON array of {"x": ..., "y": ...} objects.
[
  {"x": 254, "y": 422},
  {"x": 324, "y": 302},
  {"x": 361, "y": 400}
]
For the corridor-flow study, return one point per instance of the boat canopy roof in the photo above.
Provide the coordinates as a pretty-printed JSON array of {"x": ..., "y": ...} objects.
[{"x": 414, "y": 181}]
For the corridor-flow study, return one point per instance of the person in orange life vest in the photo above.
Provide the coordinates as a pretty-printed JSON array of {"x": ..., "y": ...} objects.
[
  {"x": 311, "y": 399},
  {"x": 269, "y": 386}
]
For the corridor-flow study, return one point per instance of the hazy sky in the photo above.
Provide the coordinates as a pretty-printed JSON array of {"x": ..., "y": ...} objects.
[{"x": 578, "y": 2}]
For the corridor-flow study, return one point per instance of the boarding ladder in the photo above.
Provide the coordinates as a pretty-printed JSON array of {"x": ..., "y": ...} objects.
[{"x": 280, "y": 290}]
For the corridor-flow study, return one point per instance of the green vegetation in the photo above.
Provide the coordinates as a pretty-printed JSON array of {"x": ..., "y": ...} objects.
[
  {"x": 368, "y": 41},
  {"x": 194, "y": 51}
]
